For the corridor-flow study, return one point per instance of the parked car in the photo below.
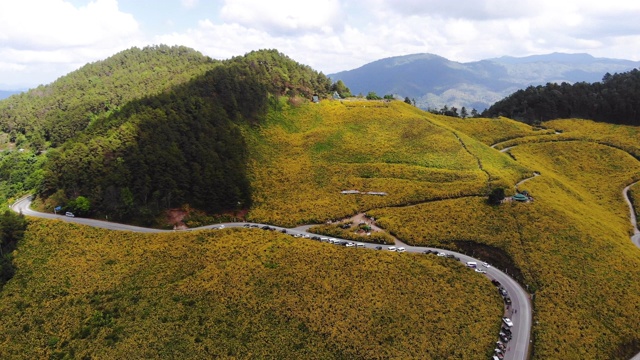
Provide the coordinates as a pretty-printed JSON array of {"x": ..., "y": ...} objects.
[
  {"x": 391, "y": 248},
  {"x": 495, "y": 282},
  {"x": 246, "y": 225},
  {"x": 350, "y": 244},
  {"x": 481, "y": 271},
  {"x": 401, "y": 249},
  {"x": 507, "y": 321},
  {"x": 442, "y": 254},
  {"x": 378, "y": 247},
  {"x": 359, "y": 245},
  {"x": 507, "y": 300},
  {"x": 69, "y": 214}
]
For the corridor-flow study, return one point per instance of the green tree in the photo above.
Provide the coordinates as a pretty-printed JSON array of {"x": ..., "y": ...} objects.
[
  {"x": 407, "y": 100},
  {"x": 496, "y": 196},
  {"x": 463, "y": 112},
  {"x": 80, "y": 206},
  {"x": 373, "y": 96},
  {"x": 341, "y": 88}
]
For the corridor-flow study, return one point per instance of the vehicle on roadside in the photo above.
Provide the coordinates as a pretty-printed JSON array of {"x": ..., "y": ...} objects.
[
  {"x": 266, "y": 228},
  {"x": 378, "y": 247},
  {"x": 507, "y": 321},
  {"x": 246, "y": 225},
  {"x": 472, "y": 264},
  {"x": 442, "y": 254},
  {"x": 391, "y": 248},
  {"x": 69, "y": 214},
  {"x": 401, "y": 249},
  {"x": 350, "y": 244},
  {"x": 481, "y": 271},
  {"x": 359, "y": 245},
  {"x": 427, "y": 252},
  {"x": 486, "y": 265},
  {"x": 495, "y": 282},
  {"x": 507, "y": 300}
]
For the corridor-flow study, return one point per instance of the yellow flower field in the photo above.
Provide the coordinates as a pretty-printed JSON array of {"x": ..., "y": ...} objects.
[{"x": 82, "y": 292}]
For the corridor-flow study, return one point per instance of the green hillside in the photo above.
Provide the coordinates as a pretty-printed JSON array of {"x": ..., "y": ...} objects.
[
  {"x": 180, "y": 148},
  {"x": 51, "y": 114},
  {"x": 304, "y": 156},
  {"x": 570, "y": 245}
]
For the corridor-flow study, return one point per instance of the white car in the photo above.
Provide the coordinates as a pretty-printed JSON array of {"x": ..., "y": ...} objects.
[
  {"x": 401, "y": 249},
  {"x": 481, "y": 271},
  {"x": 350, "y": 244},
  {"x": 486, "y": 265},
  {"x": 392, "y": 248},
  {"x": 69, "y": 214},
  {"x": 507, "y": 321},
  {"x": 442, "y": 254},
  {"x": 359, "y": 245}
]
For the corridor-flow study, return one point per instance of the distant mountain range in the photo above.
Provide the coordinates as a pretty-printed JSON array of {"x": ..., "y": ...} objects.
[
  {"x": 434, "y": 81},
  {"x": 6, "y": 93}
]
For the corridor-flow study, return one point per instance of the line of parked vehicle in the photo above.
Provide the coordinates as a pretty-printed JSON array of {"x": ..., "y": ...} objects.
[{"x": 505, "y": 331}]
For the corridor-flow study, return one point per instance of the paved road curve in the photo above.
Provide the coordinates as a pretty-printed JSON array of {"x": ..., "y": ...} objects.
[{"x": 521, "y": 330}]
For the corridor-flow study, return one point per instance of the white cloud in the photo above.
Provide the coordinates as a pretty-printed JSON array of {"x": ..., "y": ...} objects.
[
  {"x": 35, "y": 32},
  {"x": 189, "y": 4},
  {"x": 329, "y": 35},
  {"x": 284, "y": 16}
]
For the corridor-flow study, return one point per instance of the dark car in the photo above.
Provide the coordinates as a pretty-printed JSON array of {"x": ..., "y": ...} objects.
[
  {"x": 495, "y": 282},
  {"x": 378, "y": 247},
  {"x": 266, "y": 228}
]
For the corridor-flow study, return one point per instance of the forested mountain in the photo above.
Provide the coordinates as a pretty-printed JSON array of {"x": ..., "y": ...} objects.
[
  {"x": 51, "y": 114},
  {"x": 183, "y": 146},
  {"x": 433, "y": 81},
  {"x": 616, "y": 99}
]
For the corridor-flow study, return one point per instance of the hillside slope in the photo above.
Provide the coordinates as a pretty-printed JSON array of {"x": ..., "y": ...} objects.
[
  {"x": 181, "y": 148},
  {"x": 81, "y": 292},
  {"x": 570, "y": 246},
  {"x": 304, "y": 156},
  {"x": 53, "y": 113}
]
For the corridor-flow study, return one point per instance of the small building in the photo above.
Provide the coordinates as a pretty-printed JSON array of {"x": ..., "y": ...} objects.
[
  {"x": 520, "y": 197},
  {"x": 316, "y": 99},
  {"x": 336, "y": 96}
]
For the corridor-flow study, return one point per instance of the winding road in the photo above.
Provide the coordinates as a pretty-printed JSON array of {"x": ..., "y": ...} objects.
[{"x": 518, "y": 347}]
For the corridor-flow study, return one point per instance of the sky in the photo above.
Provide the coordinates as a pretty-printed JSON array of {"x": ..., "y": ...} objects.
[{"x": 42, "y": 40}]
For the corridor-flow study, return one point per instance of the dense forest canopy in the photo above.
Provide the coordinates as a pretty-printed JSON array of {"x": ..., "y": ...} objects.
[
  {"x": 51, "y": 114},
  {"x": 616, "y": 99},
  {"x": 183, "y": 146}
]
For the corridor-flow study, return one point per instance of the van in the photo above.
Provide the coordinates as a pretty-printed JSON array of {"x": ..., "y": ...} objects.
[{"x": 472, "y": 264}]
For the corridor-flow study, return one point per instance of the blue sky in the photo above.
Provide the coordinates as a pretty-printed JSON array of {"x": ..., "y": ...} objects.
[{"x": 41, "y": 40}]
